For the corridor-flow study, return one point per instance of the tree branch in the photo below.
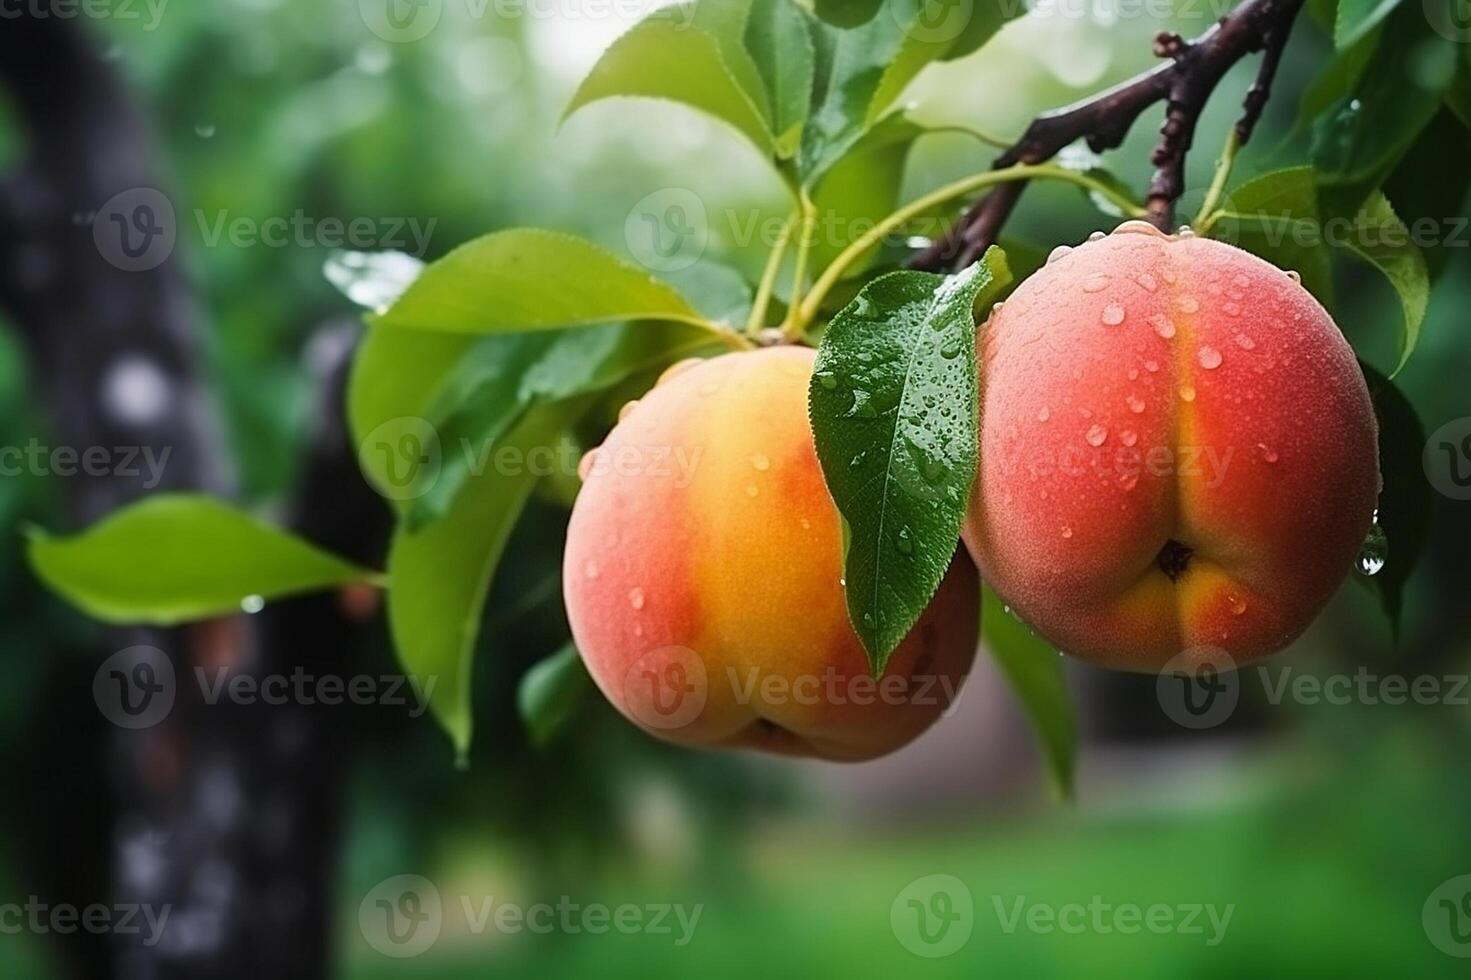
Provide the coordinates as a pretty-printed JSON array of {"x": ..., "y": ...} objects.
[{"x": 1185, "y": 84}]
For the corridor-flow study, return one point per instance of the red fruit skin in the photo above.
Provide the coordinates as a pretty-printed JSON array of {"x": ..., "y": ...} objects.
[{"x": 1140, "y": 390}]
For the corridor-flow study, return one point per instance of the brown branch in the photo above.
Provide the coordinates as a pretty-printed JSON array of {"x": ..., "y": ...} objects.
[{"x": 1184, "y": 84}]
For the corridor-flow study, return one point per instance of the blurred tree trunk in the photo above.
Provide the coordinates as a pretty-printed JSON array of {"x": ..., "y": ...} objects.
[{"x": 227, "y": 816}]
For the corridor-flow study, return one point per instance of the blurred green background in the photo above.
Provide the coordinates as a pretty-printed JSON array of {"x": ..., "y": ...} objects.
[{"x": 1324, "y": 828}]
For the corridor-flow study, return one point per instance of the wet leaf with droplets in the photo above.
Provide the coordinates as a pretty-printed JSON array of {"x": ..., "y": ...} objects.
[{"x": 900, "y": 469}]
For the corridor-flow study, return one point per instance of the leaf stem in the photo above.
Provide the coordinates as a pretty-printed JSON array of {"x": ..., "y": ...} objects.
[
  {"x": 794, "y": 324},
  {"x": 759, "y": 305},
  {"x": 1021, "y": 171},
  {"x": 1223, "y": 173}
]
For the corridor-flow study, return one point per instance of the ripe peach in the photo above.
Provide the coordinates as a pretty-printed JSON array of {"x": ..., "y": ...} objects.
[
  {"x": 703, "y": 569},
  {"x": 1177, "y": 452}
]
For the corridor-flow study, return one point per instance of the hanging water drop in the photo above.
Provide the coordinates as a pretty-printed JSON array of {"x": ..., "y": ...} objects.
[{"x": 1375, "y": 549}]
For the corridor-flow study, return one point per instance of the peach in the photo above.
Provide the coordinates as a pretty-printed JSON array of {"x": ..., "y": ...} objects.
[
  {"x": 703, "y": 577},
  {"x": 1177, "y": 452}
]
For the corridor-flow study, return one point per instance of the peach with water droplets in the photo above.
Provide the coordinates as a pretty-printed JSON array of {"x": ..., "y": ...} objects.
[
  {"x": 717, "y": 615},
  {"x": 1215, "y": 498}
]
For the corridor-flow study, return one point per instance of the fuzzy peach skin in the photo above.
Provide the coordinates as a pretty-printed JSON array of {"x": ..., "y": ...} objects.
[
  {"x": 703, "y": 569},
  {"x": 1178, "y": 452}
]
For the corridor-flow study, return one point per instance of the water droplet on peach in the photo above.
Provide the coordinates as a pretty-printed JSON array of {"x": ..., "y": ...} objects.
[
  {"x": 751, "y": 490},
  {"x": 1151, "y": 366},
  {"x": 1136, "y": 404},
  {"x": 1268, "y": 453},
  {"x": 626, "y": 409},
  {"x": 1163, "y": 325},
  {"x": 1043, "y": 414},
  {"x": 1096, "y": 283},
  {"x": 1294, "y": 275},
  {"x": 1135, "y": 226},
  {"x": 1096, "y": 236},
  {"x": 1058, "y": 253},
  {"x": 585, "y": 465},
  {"x": 636, "y": 597},
  {"x": 1067, "y": 532},
  {"x": 1187, "y": 393},
  {"x": 1128, "y": 437},
  {"x": 1096, "y": 435},
  {"x": 1113, "y": 315},
  {"x": 760, "y": 462},
  {"x": 1245, "y": 342},
  {"x": 1188, "y": 304},
  {"x": 1209, "y": 357},
  {"x": 1147, "y": 282}
]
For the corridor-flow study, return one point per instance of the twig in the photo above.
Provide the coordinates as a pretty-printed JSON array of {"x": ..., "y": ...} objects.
[{"x": 1185, "y": 83}]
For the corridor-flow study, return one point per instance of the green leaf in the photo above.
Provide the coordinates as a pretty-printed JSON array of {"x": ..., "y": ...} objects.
[
  {"x": 177, "y": 557},
  {"x": 893, "y": 410},
  {"x": 531, "y": 279},
  {"x": 1035, "y": 672},
  {"x": 779, "y": 38},
  {"x": 1356, "y": 18},
  {"x": 862, "y": 188},
  {"x": 549, "y": 693},
  {"x": 667, "y": 56},
  {"x": 847, "y": 13},
  {"x": 496, "y": 383},
  {"x": 1360, "y": 138},
  {"x": 1406, "y": 499},
  {"x": 1276, "y": 216},
  {"x": 862, "y": 70},
  {"x": 395, "y": 375},
  {"x": 1381, "y": 239},
  {"x": 440, "y": 575}
]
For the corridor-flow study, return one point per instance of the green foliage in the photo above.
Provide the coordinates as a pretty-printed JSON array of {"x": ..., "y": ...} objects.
[
  {"x": 779, "y": 38},
  {"x": 550, "y": 691},
  {"x": 502, "y": 378},
  {"x": 531, "y": 279},
  {"x": 1362, "y": 135},
  {"x": 863, "y": 69},
  {"x": 1034, "y": 670},
  {"x": 791, "y": 84},
  {"x": 1381, "y": 239},
  {"x": 439, "y": 575},
  {"x": 892, "y": 404},
  {"x": 175, "y": 557},
  {"x": 667, "y": 57}
]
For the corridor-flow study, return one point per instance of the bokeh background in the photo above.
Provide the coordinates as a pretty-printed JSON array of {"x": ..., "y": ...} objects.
[{"x": 1325, "y": 828}]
